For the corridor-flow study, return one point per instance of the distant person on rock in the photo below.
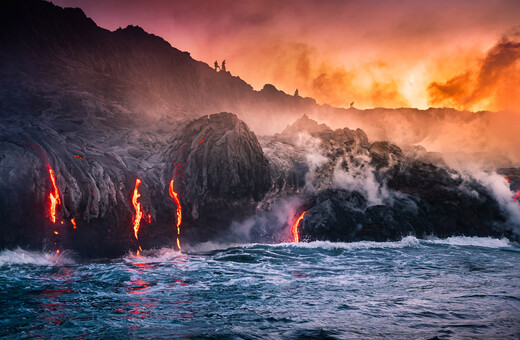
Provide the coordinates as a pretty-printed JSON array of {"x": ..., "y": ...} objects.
[
  {"x": 223, "y": 65},
  {"x": 296, "y": 93},
  {"x": 351, "y": 105},
  {"x": 216, "y": 65}
]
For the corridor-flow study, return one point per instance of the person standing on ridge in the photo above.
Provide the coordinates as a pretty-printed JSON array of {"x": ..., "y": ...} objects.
[
  {"x": 223, "y": 65},
  {"x": 216, "y": 65}
]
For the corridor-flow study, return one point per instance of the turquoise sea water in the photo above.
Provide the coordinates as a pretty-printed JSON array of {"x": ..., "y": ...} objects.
[{"x": 417, "y": 289}]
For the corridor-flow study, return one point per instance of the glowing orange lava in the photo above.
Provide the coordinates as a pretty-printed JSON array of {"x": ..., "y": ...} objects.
[
  {"x": 54, "y": 197},
  {"x": 73, "y": 221},
  {"x": 79, "y": 156},
  {"x": 137, "y": 207},
  {"x": 175, "y": 197},
  {"x": 295, "y": 232},
  {"x": 516, "y": 197}
]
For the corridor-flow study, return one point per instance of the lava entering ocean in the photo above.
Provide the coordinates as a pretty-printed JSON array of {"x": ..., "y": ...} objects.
[
  {"x": 137, "y": 207},
  {"x": 175, "y": 197},
  {"x": 54, "y": 197},
  {"x": 294, "y": 230}
]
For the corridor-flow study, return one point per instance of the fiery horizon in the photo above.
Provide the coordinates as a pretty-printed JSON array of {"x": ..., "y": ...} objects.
[{"x": 464, "y": 55}]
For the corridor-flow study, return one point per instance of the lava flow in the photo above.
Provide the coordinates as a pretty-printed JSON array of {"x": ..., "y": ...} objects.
[
  {"x": 175, "y": 197},
  {"x": 137, "y": 207},
  {"x": 516, "y": 197},
  {"x": 295, "y": 232},
  {"x": 54, "y": 197}
]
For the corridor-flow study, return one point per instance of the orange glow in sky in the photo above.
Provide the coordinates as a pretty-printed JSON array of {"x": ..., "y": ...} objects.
[{"x": 407, "y": 53}]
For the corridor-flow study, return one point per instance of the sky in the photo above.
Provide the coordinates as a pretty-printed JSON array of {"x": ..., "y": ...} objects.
[{"x": 394, "y": 53}]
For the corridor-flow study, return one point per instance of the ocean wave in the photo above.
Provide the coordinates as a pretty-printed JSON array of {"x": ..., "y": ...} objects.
[
  {"x": 406, "y": 242},
  {"x": 486, "y": 242},
  {"x": 154, "y": 255},
  {"x": 20, "y": 256}
]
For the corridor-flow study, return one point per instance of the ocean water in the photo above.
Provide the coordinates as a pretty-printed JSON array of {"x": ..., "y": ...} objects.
[{"x": 458, "y": 287}]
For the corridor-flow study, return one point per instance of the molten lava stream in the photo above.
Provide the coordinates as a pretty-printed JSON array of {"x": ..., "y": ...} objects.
[
  {"x": 54, "y": 201},
  {"x": 294, "y": 230},
  {"x": 54, "y": 197},
  {"x": 137, "y": 207},
  {"x": 175, "y": 197},
  {"x": 516, "y": 197},
  {"x": 138, "y": 213}
]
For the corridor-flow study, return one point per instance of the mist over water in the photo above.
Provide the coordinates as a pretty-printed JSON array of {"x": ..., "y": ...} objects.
[{"x": 455, "y": 287}]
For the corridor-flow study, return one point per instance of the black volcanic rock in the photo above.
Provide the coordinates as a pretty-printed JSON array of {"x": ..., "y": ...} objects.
[
  {"x": 219, "y": 167},
  {"x": 429, "y": 203},
  {"x": 413, "y": 197}
]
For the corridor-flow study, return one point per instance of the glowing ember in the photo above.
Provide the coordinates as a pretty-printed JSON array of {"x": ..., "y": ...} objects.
[
  {"x": 516, "y": 197},
  {"x": 295, "y": 232},
  {"x": 54, "y": 197},
  {"x": 508, "y": 179},
  {"x": 56, "y": 232},
  {"x": 202, "y": 141},
  {"x": 175, "y": 197},
  {"x": 73, "y": 221},
  {"x": 57, "y": 251},
  {"x": 79, "y": 156},
  {"x": 137, "y": 207},
  {"x": 139, "y": 251},
  {"x": 149, "y": 218},
  {"x": 178, "y": 244}
]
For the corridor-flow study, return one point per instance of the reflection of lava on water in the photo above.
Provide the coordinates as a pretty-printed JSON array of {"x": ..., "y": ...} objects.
[
  {"x": 139, "y": 286},
  {"x": 55, "y": 302}
]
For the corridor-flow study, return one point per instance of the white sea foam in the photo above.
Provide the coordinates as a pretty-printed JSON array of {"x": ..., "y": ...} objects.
[
  {"x": 487, "y": 242},
  {"x": 20, "y": 256},
  {"x": 154, "y": 256},
  {"x": 408, "y": 241}
]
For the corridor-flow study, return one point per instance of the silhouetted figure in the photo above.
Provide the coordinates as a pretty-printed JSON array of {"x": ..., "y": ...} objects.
[
  {"x": 352, "y": 105},
  {"x": 296, "y": 93},
  {"x": 223, "y": 65},
  {"x": 216, "y": 65}
]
